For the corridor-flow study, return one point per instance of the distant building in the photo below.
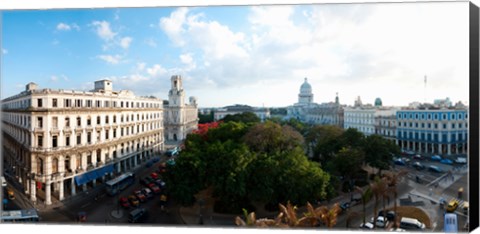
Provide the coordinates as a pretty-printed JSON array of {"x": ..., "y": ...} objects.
[
  {"x": 433, "y": 130},
  {"x": 59, "y": 142},
  {"x": 305, "y": 110},
  {"x": 180, "y": 118},
  {"x": 260, "y": 112},
  {"x": 443, "y": 102}
]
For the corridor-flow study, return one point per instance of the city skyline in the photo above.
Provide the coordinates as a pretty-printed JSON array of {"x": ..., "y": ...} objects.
[{"x": 253, "y": 55}]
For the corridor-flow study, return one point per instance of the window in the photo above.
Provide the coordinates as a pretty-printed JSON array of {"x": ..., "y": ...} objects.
[
  {"x": 40, "y": 141},
  {"x": 67, "y": 122},
  {"x": 98, "y": 120},
  {"x": 98, "y": 136},
  {"x": 453, "y": 125},
  {"x": 121, "y": 104},
  {"x": 114, "y": 133},
  {"x": 98, "y": 103},
  {"x": 121, "y": 131},
  {"x": 114, "y": 119},
  {"x": 106, "y": 119},
  {"x": 79, "y": 139},
  {"x": 78, "y": 102},
  {"x": 55, "y": 122},
  {"x": 436, "y": 126},
  {"x": 54, "y": 141},
  {"x": 68, "y": 102},
  {"x": 453, "y": 116},
  {"x": 107, "y": 132},
  {"x": 54, "y": 102},
  {"x": 444, "y": 126},
  {"x": 127, "y": 104},
  {"x": 39, "y": 102},
  {"x": 40, "y": 122},
  {"x": 429, "y": 116},
  {"x": 67, "y": 140},
  {"x": 460, "y": 125},
  {"x": 106, "y": 104},
  {"x": 89, "y": 103},
  {"x": 429, "y": 125},
  {"x": 79, "y": 121},
  {"x": 444, "y": 116},
  {"x": 89, "y": 121},
  {"x": 423, "y": 125},
  {"x": 89, "y": 137}
]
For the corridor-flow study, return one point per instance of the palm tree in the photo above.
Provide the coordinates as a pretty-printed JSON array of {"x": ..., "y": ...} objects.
[
  {"x": 329, "y": 215},
  {"x": 366, "y": 195},
  {"x": 379, "y": 188},
  {"x": 393, "y": 179}
]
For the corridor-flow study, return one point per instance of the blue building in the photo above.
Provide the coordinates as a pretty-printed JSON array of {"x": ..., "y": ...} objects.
[{"x": 433, "y": 131}]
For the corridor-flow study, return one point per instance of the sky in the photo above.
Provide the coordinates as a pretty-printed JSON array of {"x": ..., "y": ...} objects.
[{"x": 253, "y": 55}]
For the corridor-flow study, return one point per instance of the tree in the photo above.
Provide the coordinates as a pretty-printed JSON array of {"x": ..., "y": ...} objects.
[
  {"x": 205, "y": 118},
  {"x": 346, "y": 162},
  {"x": 379, "y": 152},
  {"x": 379, "y": 188},
  {"x": 245, "y": 117},
  {"x": 324, "y": 140},
  {"x": 366, "y": 195},
  {"x": 392, "y": 180},
  {"x": 269, "y": 137}
]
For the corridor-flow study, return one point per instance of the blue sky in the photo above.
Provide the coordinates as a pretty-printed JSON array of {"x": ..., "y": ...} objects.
[{"x": 255, "y": 55}]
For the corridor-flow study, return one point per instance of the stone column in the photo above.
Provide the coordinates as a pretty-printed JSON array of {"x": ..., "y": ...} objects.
[
  {"x": 61, "y": 187},
  {"x": 33, "y": 190},
  {"x": 48, "y": 191}
]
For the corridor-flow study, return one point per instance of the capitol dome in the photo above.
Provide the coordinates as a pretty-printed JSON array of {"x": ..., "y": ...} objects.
[
  {"x": 305, "y": 96},
  {"x": 378, "y": 102},
  {"x": 306, "y": 88}
]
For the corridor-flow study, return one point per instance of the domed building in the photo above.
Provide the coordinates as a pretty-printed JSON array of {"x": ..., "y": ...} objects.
[
  {"x": 305, "y": 110},
  {"x": 305, "y": 96},
  {"x": 378, "y": 102}
]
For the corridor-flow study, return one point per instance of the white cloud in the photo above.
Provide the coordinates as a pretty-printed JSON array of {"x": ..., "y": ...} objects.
[
  {"x": 141, "y": 66},
  {"x": 112, "y": 59},
  {"x": 173, "y": 25},
  {"x": 67, "y": 27},
  {"x": 54, "y": 78},
  {"x": 104, "y": 31},
  {"x": 156, "y": 71},
  {"x": 125, "y": 42},
  {"x": 63, "y": 27}
]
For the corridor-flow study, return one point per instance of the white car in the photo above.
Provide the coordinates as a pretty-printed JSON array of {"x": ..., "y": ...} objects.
[
  {"x": 381, "y": 221},
  {"x": 367, "y": 225}
]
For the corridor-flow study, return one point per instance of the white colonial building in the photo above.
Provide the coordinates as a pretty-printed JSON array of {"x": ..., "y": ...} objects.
[
  {"x": 180, "y": 118},
  {"x": 59, "y": 142},
  {"x": 305, "y": 110},
  {"x": 261, "y": 112},
  {"x": 370, "y": 119}
]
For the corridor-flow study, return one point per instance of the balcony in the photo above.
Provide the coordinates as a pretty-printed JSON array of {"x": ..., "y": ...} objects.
[
  {"x": 38, "y": 129},
  {"x": 54, "y": 130}
]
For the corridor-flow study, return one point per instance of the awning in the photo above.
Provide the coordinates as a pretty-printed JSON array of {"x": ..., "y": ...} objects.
[{"x": 94, "y": 174}]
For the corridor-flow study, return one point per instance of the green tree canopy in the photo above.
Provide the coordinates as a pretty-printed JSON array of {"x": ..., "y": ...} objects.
[{"x": 245, "y": 117}]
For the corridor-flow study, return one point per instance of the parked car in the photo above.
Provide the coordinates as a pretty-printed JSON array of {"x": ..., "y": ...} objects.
[
  {"x": 418, "y": 166},
  {"x": 148, "y": 193},
  {"x": 140, "y": 195},
  {"x": 133, "y": 200},
  {"x": 344, "y": 206},
  {"x": 381, "y": 221},
  {"x": 461, "y": 160},
  {"x": 435, "y": 169},
  {"x": 418, "y": 157},
  {"x": 367, "y": 225},
  {"x": 123, "y": 201},
  {"x": 436, "y": 158},
  {"x": 390, "y": 214},
  {"x": 452, "y": 205},
  {"x": 137, "y": 215},
  {"x": 399, "y": 162},
  {"x": 154, "y": 175},
  {"x": 411, "y": 224},
  {"x": 160, "y": 183},
  {"x": 145, "y": 181},
  {"x": 155, "y": 189},
  {"x": 446, "y": 161}
]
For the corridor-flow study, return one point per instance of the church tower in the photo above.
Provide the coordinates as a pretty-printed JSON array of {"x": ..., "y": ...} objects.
[{"x": 180, "y": 118}]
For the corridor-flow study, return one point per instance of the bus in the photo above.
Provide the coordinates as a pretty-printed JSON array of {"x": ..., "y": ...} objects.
[
  {"x": 14, "y": 216},
  {"x": 450, "y": 223},
  {"x": 118, "y": 184}
]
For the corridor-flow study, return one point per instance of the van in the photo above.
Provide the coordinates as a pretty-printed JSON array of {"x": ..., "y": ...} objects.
[
  {"x": 4, "y": 182},
  {"x": 411, "y": 224},
  {"x": 450, "y": 223},
  {"x": 137, "y": 215}
]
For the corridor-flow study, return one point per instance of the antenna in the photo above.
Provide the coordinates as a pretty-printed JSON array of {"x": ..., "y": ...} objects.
[{"x": 425, "y": 90}]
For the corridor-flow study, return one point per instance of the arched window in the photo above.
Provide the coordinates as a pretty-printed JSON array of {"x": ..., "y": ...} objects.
[{"x": 54, "y": 165}]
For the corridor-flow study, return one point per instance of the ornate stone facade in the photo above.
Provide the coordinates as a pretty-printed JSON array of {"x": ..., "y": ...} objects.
[
  {"x": 59, "y": 142},
  {"x": 180, "y": 118}
]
